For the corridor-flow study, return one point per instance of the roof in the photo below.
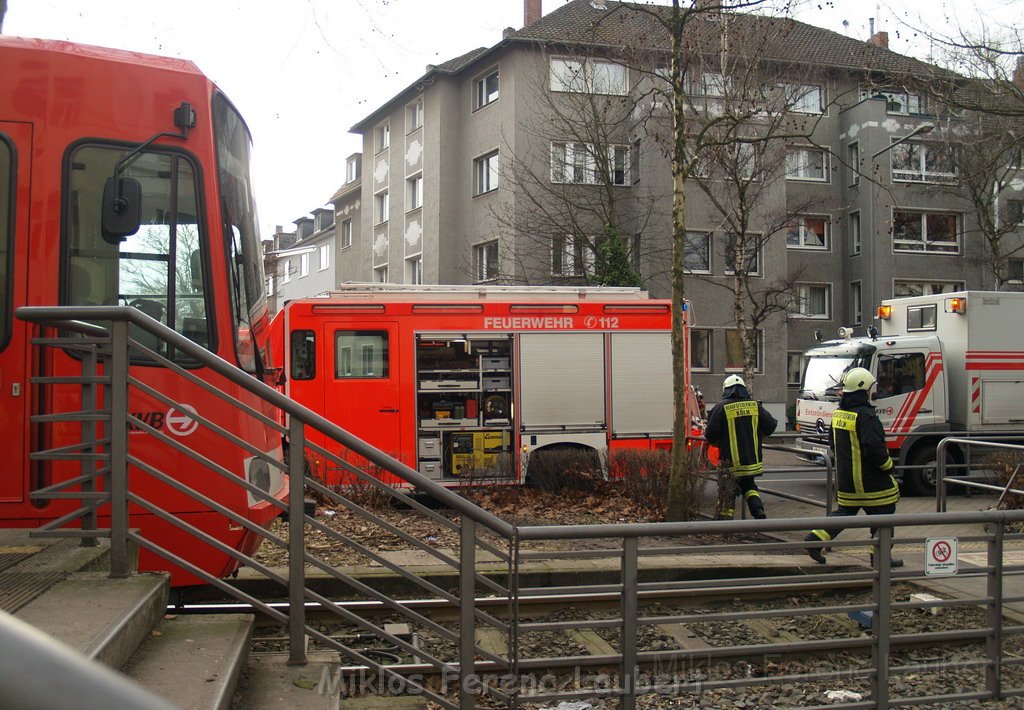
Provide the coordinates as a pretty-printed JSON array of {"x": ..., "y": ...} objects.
[
  {"x": 580, "y": 23},
  {"x": 104, "y": 53},
  {"x": 625, "y": 26}
]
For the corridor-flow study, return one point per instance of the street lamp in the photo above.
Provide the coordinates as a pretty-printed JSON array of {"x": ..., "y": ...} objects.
[{"x": 868, "y": 295}]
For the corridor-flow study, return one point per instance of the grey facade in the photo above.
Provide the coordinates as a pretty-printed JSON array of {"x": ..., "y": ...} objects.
[{"x": 441, "y": 207}]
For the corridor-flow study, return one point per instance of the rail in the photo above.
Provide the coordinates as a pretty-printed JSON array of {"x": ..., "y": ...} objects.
[
  {"x": 943, "y": 480},
  {"x": 490, "y": 650}
]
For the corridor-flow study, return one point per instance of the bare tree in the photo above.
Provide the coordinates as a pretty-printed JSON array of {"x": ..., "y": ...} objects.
[{"x": 3, "y": 11}]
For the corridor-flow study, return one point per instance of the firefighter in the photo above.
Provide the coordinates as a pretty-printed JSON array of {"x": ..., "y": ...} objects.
[
  {"x": 863, "y": 467},
  {"x": 737, "y": 426}
]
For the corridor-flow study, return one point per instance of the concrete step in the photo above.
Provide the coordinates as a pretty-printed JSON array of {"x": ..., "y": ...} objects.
[
  {"x": 269, "y": 683},
  {"x": 104, "y": 619},
  {"x": 194, "y": 661},
  {"x": 29, "y": 566}
]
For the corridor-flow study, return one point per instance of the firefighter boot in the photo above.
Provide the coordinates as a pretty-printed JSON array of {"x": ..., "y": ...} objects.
[
  {"x": 893, "y": 561},
  {"x": 816, "y": 553},
  {"x": 755, "y": 505}
]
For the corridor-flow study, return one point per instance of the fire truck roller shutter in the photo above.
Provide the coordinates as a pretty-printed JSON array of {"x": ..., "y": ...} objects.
[
  {"x": 562, "y": 381},
  {"x": 642, "y": 384}
]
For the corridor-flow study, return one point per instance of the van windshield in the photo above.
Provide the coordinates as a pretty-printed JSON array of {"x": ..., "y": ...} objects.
[{"x": 824, "y": 373}]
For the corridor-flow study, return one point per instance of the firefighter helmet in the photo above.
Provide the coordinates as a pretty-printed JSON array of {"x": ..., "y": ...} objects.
[
  {"x": 858, "y": 379},
  {"x": 732, "y": 381}
]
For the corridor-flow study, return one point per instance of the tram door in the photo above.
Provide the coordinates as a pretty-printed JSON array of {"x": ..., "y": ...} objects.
[{"x": 15, "y": 157}]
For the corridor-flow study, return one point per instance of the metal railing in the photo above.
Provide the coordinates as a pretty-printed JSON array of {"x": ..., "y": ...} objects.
[
  {"x": 982, "y": 480},
  {"x": 111, "y": 468}
]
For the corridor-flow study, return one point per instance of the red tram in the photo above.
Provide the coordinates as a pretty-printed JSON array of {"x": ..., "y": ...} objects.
[{"x": 71, "y": 118}]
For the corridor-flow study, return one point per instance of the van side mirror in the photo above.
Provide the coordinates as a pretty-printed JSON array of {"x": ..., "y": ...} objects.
[{"x": 121, "y": 215}]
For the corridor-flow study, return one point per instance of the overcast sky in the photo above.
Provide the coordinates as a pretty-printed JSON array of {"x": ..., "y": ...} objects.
[{"x": 302, "y": 72}]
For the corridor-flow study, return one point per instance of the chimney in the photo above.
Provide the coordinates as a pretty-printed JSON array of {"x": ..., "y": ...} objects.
[
  {"x": 880, "y": 39},
  {"x": 532, "y": 11},
  {"x": 1018, "y": 74}
]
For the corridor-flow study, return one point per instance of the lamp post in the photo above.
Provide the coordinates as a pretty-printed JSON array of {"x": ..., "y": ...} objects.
[{"x": 868, "y": 294}]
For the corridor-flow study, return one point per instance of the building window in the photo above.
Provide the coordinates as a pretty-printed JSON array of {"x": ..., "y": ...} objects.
[
  {"x": 936, "y": 232},
  {"x": 853, "y": 232},
  {"x": 270, "y": 285},
  {"x": 804, "y": 98},
  {"x": 325, "y": 257},
  {"x": 485, "y": 173},
  {"x": 807, "y": 164},
  {"x": 794, "y": 368},
  {"x": 734, "y": 350},
  {"x": 591, "y": 76},
  {"x": 902, "y": 103},
  {"x": 577, "y": 163},
  {"x": 1015, "y": 270},
  {"x": 485, "y": 261},
  {"x": 922, "y": 162},
  {"x": 414, "y": 116},
  {"x": 346, "y": 234},
  {"x": 924, "y": 288},
  {"x": 813, "y": 301},
  {"x": 856, "y": 305},
  {"x": 808, "y": 232},
  {"x": 414, "y": 270},
  {"x": 382, "y": 136},
  {"x": 414, "y": 193},
  {"x": 708, "y": 84},
  {"x": 286, "y": 271},
  {"x": 700, "y": 349},
  {"x": 381, "y": 207},
  {"x": 1015, "y": 211},
  {"x": 352, "y": 169},
  {"x": 485, "y": 89},
  {"x": 380, "y": 274},
  {"x": 853, "y": 163},
  {"x": 697, "y": 257},
  {"x": 571, "y": 256},
  {"x": 752, "y": 248},
  {"x": 303, "y": 265}
]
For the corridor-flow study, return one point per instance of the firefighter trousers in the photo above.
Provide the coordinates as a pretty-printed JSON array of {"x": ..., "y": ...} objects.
[
  {"x": 731, "y": 487},
  {"x": 848, "y": 510}
]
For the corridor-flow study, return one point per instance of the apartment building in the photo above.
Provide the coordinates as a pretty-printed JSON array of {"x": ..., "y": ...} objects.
[
  {"x": 317, "y": 255},
  {"x": 456, "y": 158}
]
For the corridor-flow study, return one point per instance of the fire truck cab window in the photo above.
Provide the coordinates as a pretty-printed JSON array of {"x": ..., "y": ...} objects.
[
  {"x": 303, "y": 365},
  {"x": 361, "y": 354},
  {"x": 159, "y": 269},
  {"x": 7, "y": 182},
  {"x": 899, "y": 374}
]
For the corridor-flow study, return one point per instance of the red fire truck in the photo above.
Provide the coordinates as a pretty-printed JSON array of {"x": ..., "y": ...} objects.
[
  {"x": 124, "y": 179},
  {"x": 464, "y": 383}
]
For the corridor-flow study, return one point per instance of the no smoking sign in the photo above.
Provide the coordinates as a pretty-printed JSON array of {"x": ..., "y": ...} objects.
[{"x": 940, "y": 558}]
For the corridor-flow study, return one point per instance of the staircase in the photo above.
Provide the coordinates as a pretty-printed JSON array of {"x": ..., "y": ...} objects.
[{"x": 63, "y": 590}]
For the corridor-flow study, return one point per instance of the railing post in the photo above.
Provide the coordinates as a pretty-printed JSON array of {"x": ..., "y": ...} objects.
[
  {"x": 118, "y": 429},
  {"x": 830, "y": 483},
  {"x": 627, "y": 638},
  {"x": 882, "y": 617},
  {"x": 296, "y": 542},
  {"x": 467, "y": 613},
  {"x": 994, "y": 613},
  {"x": 940, "y": 477},
  {"x": 88, "y": 468}
]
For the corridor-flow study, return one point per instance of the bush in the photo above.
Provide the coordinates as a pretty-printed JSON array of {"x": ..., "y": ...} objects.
[
  {"x": 1005, "y": 464},
  {"x": 564, "y": 468},
  {"x": 643, "y": 476}
]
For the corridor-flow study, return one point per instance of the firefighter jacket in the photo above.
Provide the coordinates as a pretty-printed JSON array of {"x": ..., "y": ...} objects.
[
  {"x": 863, "y": 466},
  {"x": 737, "y": 426}
]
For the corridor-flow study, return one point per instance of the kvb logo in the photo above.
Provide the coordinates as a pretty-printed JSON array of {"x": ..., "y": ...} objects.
[{"x": 177, "y": 421}]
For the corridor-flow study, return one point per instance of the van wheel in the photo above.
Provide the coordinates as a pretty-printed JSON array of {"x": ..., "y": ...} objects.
[{"x": 921, "y": 481}]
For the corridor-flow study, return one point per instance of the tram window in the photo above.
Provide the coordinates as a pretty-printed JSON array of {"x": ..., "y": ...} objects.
[
  {"x": 7, "y": 182},
  {"x": 899, "y": 374},
  {"x": 159, "y": 268},
  {"x": 303, "y": 355},
  {"x": 361, "y": 354}
]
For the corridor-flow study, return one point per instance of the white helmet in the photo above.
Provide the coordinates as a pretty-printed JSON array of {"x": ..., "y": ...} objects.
[
  {"x": 732, "y": 381},
  {"x": 858, "y": 379}
]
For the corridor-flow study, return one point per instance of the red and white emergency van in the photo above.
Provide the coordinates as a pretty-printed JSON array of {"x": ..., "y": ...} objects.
[
  {"x": 463, "y": 383},
  {"x": 946, "y": 364}
]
